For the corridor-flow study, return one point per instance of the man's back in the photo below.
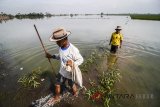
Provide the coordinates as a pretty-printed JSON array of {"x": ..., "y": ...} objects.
[{"x": 116, "y": 38}]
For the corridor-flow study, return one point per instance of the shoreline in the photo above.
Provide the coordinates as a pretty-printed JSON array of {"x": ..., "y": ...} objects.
[
  {"x": 146, "y": 17},
  {"x": 41, "y": 15}
]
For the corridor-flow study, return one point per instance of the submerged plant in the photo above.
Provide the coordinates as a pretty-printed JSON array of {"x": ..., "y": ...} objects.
[
  {"x": 104, "y": 89},
  {"x": 30, "y": 80},
  {"x": 89, "y": 61}
]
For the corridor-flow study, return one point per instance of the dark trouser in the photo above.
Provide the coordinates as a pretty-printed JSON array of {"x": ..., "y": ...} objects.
[
  {"x": 60, "y": 80},
  {"x": 114, "y": 48}
]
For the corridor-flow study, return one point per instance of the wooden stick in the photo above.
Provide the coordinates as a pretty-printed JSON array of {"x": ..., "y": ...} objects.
[{"x": 43, "y": 47}]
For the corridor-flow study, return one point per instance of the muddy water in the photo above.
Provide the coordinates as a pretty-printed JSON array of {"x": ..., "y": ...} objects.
[{"x": 138, "y": 60}]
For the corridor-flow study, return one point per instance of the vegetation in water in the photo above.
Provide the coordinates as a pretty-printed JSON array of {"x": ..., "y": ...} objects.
[
  {"x": 31, "y": 80},
  {"x": 99, "y": 91},
  {"x": 88, "y": 62},
  {"x": 91, "y": 60},
  {"x": 103, "y": 91}
]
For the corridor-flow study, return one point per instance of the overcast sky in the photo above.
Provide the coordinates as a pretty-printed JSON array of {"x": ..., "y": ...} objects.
[{"x": 80, "y": 6}]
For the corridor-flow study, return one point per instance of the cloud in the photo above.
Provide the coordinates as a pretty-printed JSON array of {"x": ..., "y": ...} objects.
[{"x": 80, "y": 6}]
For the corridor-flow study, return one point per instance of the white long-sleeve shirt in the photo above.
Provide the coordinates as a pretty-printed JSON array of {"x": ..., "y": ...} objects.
[{"x": 69, "y": 53}]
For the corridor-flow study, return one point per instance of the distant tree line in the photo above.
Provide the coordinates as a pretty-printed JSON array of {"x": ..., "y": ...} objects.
[
  {"x": 29, "y": 16},
  {"x": 145, "y": 16},
  {"x": 4, "y": 16}
]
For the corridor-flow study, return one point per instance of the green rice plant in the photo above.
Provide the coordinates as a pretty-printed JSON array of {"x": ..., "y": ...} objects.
[
  {"x": 106, "y": 102},
  {"x": 101, "y": 92},
  {"x": 31, "y": 80},
  {"x": 90, "y": 61}
]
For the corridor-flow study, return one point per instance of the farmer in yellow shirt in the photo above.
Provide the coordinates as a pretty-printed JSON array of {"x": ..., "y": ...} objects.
[{"x": 116, "y": 40}]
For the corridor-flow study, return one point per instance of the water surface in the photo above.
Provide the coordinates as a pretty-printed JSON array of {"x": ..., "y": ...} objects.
[{"x": 138, "y": 59}]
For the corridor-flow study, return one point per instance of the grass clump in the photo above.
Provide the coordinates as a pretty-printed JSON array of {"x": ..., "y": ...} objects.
[
  {"x": 31, "y": 80},
  {"x": 103, "y": 91},
  {"x": 91, "y": 60}
]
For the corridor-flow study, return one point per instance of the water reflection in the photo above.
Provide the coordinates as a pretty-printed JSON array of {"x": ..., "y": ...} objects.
[
  {"x": 3, "y": 63},
  {"x": 112, "y": 60},
  {"x": 140, "y": 51}
]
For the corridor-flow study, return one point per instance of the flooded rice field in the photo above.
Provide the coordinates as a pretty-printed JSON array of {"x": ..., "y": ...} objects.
[{"x": 138, "y": 60}]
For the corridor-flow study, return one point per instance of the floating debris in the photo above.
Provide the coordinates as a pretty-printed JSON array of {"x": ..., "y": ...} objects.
[
  {"x": 32, "y": 79},
  {"x": 42, "y": 79},
  {"x": 21, "y": 68}
]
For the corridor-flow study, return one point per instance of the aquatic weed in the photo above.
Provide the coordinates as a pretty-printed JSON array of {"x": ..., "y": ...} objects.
[
  {"x": 31, "y": 80},
  {"x": 102, "y": 91},
  {"x": 90, "y": 61}
]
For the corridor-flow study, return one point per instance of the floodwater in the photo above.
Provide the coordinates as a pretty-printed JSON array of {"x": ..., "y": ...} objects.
[{"x": 138, "y": 59}]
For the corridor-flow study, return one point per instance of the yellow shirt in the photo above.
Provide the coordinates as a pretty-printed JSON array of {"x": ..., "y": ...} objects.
[{"x": 116, "y": 38}]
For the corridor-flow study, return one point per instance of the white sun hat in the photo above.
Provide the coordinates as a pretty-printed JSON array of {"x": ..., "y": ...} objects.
[
  {"x": 118, "y": 28},
  {"x": 59, "y": 34}
]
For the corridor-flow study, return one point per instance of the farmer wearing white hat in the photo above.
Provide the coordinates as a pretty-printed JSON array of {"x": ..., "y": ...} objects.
[
  {"x": 116, "y": 40},
  {"x": 69, "y": 56}
]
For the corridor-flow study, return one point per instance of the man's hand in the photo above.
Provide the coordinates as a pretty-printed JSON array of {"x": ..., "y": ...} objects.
[
  {"x": 69, "y": 63},
  {"x": 120, "y": 46},
  {"x": 48, "y": 55}
]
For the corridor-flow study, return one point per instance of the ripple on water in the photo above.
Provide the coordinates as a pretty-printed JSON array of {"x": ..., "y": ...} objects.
[
  {"x": 131, "y": 49},
  {"x": 34, "y": 56}
]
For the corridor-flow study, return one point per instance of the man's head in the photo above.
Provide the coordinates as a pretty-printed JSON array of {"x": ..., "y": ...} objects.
[
  {"x": 118, "y": 29},
  {"x": 62, "y": 43},
  {"x": 60, "y": 36}
]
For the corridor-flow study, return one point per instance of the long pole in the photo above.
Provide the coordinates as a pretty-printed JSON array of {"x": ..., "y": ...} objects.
[{"x": 43, "y": 47}]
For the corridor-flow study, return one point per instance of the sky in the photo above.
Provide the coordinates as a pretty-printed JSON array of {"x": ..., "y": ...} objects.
[{"x": 80, "y": 6}]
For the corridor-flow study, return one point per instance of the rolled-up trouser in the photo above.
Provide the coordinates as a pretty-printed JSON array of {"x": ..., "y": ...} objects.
[
  {"x": 60, "y": 80},
  {"x": 114, "y": 48}
]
